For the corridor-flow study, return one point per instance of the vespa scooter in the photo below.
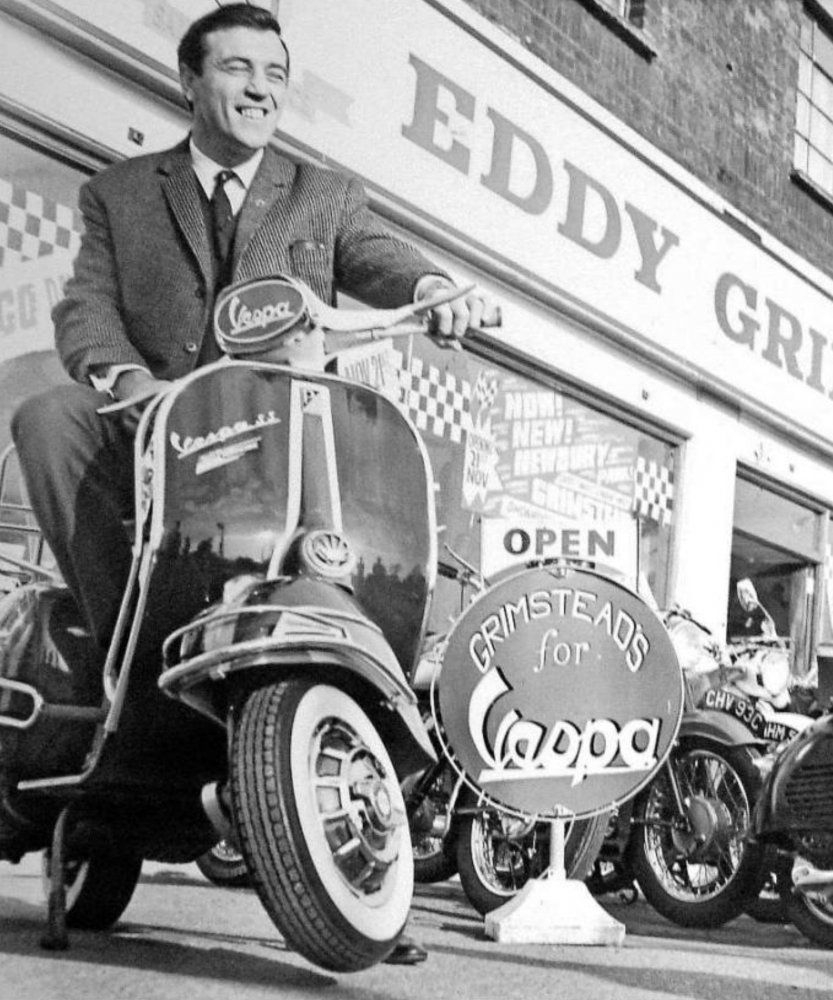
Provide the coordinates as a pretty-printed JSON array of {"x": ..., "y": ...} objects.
[{"x": 257, "y": 685}]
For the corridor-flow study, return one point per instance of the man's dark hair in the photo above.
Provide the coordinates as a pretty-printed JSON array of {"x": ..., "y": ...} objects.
[{"x": 191, "y": 49}]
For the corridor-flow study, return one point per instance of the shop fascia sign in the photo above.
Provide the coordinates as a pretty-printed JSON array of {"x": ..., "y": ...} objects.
[{"x": 447, "y": 125}]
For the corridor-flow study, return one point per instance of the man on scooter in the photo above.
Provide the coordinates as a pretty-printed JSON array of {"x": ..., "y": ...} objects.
[{"x": 163, "y": 234}]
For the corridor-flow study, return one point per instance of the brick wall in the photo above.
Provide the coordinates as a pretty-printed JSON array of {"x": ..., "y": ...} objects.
[{"x": 718, "y": 95}]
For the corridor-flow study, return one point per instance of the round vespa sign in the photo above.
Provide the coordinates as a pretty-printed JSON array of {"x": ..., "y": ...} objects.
[{"x": 560, "y": 691}]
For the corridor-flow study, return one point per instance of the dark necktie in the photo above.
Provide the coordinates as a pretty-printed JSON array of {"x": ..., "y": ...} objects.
[{"x": 222, "y": 217}]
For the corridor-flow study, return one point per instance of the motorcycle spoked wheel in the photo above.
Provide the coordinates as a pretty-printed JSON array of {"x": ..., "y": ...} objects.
[
  {"x": 322, "y": 823},
  {"x": 434, "y": 855},
  {"x": 495, "y": 864},
  {"x": 98, "y": 889},
  {"x": 225, "y": 866},
  {"x": 812, "y": 915},
  {"x": 699, "y": 870}
]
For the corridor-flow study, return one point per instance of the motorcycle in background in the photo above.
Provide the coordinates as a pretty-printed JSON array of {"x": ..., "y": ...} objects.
[
  {"x": 794, "y": 817},
  {"x": 684, "y": 840},
  {"x": 257, "y": 685}
]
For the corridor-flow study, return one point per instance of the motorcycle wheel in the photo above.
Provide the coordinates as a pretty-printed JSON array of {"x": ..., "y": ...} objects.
[
  {"x": 98, "y": 889},
  {"x": 769, "y": 907},
  {"x": 812, "y": 915},
  {"x": 224, "y": 866},
  {"x": 322, "y": 823},
  {"x": 433, "y": 862},
  {"x": 699, "y": 870},
  {"x": 495, "y": 865},
  {"x": 434, "y": 857}
]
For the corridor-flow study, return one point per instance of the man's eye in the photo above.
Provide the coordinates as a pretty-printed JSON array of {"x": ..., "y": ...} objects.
[
  {"x": 276, "y": 76},
  {"x": 236, "y": 67}
]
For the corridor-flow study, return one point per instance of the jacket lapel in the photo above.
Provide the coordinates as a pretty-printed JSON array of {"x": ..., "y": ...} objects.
[
  {"x": 271, "y": 185},
  {"x": 181, "y": 189}
]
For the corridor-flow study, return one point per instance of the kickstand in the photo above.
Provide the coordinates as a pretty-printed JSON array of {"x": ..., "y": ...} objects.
[{"x": 56, "y": 938}]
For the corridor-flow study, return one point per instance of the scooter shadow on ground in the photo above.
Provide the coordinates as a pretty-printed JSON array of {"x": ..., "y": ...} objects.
[
  {"x": 171, "y": 877},
  {"x": 127, "y": 947}
]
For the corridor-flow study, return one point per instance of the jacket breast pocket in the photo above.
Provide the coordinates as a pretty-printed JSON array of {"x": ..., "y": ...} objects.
[{"x": 312, "y": 262}]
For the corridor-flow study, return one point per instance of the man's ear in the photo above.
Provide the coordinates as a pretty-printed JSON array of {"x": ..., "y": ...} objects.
[{"x": 186, "y": 82}]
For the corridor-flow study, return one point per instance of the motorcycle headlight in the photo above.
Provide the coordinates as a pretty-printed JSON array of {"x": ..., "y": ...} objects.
[
  {"x": 692, "y": 647},
  {"x": 774, "y": 671}
]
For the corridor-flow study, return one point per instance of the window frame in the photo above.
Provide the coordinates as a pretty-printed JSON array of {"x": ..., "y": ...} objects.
[
  {"x": 817, "y": 16},
  {"x": 626, "y": 19}
]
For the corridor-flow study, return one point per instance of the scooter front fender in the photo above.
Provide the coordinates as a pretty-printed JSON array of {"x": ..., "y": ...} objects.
[{"x": 284, "y": 626}]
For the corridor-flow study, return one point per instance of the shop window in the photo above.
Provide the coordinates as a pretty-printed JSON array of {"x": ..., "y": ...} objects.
[
  {"x": 40, "y": 231},
  {"x": 777, "y": 544},
  {"x": 813, "y": 138},
  {"x": 39, "y": 236},
  {"x": 526, "y": 472}
]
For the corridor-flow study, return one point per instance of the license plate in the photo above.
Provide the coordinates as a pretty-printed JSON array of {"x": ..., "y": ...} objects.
[{"x": 719, "y": 700}]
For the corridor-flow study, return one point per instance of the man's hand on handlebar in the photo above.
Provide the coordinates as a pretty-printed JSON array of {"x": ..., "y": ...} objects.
[
  {"x": 133, "y": 388},
  {"x": 137, "y": 384},
  {"x": 450, "y": 321}
]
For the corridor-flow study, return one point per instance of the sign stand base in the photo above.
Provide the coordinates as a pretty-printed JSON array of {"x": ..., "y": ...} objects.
[{"x": 553, "y": 909}]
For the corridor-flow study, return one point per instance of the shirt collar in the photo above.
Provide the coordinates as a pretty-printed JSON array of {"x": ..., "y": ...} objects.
[{"x": 207, "y": 169}]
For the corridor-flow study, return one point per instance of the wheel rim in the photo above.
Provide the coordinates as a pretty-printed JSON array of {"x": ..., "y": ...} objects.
[
  {"x": 819, "y": 906},
  {"x": 699, "y": 862},
  {"x": 503, "y": 865},
  {"x": 351, "y": 811}
]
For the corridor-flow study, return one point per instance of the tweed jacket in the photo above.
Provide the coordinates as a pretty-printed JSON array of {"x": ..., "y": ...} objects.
[{"x": 142, "y": 289}]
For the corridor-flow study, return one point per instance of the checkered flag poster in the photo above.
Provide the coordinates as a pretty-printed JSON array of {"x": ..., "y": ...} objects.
[
  {"x": 653, "y": 490},
  {"x": 436, "y": 401},
  {"x": 32, "y": 226},
  {"x": 485, "y": 390}
]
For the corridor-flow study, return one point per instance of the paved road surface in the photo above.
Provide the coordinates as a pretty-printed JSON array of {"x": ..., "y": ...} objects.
[{"x": 182, "y": 937}]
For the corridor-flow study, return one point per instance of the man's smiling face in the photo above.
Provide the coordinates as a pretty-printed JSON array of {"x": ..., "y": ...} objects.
[{"x": 238, "y": 97}]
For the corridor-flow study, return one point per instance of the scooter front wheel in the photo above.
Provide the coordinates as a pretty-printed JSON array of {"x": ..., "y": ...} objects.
[{"x": 322, "y": 823}]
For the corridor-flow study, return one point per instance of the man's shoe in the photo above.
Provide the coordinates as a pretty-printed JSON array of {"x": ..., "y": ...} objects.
[{"x": 406, "y": 952}]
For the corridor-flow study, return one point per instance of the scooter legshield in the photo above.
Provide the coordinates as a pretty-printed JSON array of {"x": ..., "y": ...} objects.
[{"x": 45, "y": 650}]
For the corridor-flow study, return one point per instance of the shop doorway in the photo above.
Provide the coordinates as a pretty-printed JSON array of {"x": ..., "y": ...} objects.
[{"x": 777, "y": 543}]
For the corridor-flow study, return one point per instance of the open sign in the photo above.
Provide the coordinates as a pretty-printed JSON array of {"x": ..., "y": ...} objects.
[{"x": 559, "y": 691}]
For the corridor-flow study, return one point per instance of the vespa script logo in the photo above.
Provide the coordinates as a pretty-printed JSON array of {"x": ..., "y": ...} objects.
[
  {"x": 524, "y": 749},
  {"x": 189, "y": 445},
  {"x": 559, "y": 690},
  {"x": 258, "y": 311},
  {"x": 242, "y": 319}
]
